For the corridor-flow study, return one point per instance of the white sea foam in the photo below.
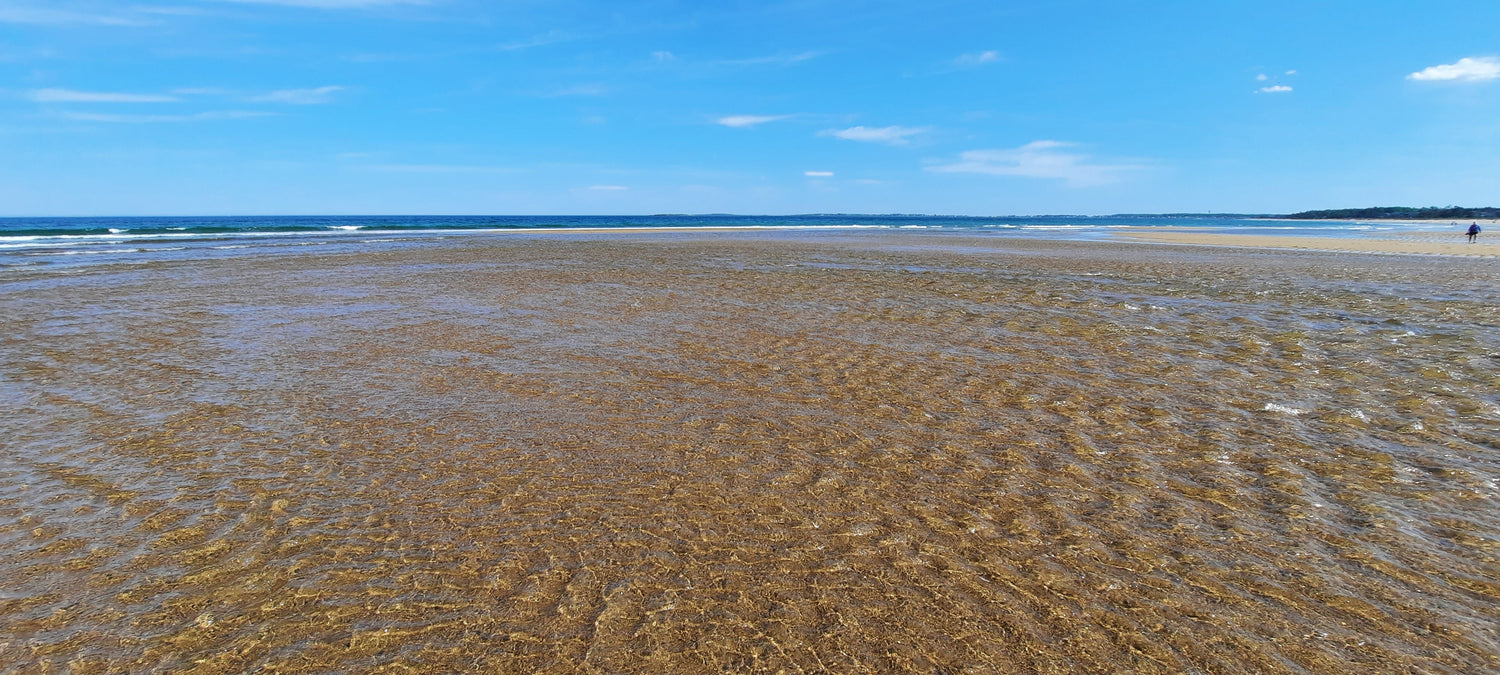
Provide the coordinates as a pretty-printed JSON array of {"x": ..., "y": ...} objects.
[
  {"x": 100, "y": 251},
  {"x": 1283, "y": 409}
]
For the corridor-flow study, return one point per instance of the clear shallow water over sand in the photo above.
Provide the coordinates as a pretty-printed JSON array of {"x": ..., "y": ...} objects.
[{"x": 705, "y": 453}]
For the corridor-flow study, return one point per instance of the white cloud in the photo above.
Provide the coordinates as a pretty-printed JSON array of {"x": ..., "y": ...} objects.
[
  {"x": 1275, "y": 89},
  {"x": 742, "y": 121},
  {"x": 74, "y": 96},
  {"x": 1467, "y": 69},
  {"x": 146, "y": 119},
  {"x": 1291, "y": 72},
  {"x": 1261, "y": 77},
  {"x": 663, "y": 56},
  {"x": 979, "y": 58},
  {"x": 1038, "y": 159},
  {"x": 314, "y": 96},
  {"x": 818, "y": 174},
  {"x": 608, "y": 188},
  {"x": 893, "y": 135}
]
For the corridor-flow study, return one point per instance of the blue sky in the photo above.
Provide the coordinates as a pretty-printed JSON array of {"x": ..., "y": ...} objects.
[{"x": 199, "y": 107}]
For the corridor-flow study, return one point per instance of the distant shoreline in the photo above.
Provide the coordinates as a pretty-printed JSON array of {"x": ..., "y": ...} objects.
[{"x": 1425, "y": 213}]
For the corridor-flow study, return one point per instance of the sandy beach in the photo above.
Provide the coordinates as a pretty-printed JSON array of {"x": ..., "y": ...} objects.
[
  {"x": 704, "y": 452},
  {"x": 1406, "y": 243}
]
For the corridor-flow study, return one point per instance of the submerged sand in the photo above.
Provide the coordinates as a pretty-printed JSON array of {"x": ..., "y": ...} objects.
[{"x": 711, "y": 452}]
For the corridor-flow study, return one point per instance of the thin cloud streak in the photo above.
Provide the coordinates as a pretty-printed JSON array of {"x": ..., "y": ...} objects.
[
  {"x": 777, "y": 60},
  {"x": 313, "y": 96},
  {"x": 153, "y": 119},
  {"x": 977, "y": 59},
  {"x": 436, "y": 168},
  {"x": 578, "y": 90},
  {"x": 59, "y": 17},
  {"x": 75, "y": 96},
  {"x": 1038, "y": 159},
  {"x": 328, "y": 4},
  {"x": 892, "y": 135},
  {"x": 747, "y": 121},
  {"x": 548, "y": 38}
]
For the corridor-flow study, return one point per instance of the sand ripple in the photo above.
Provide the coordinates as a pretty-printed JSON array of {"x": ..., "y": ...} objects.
[{"x": 688, "y": 453}]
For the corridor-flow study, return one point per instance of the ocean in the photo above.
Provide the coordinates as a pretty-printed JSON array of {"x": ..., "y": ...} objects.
[{"x": 30, "y": 242}]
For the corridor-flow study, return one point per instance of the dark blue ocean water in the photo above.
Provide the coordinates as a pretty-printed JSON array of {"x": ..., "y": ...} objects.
[{"x": 29, "y": 242}]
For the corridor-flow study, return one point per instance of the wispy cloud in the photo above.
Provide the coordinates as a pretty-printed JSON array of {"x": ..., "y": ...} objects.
[
  {"x": 1274, "y": 89},
  {"x": 893, "y": 135},
  {"x": 607, "y": 188},
  {"x": 773, "y": 60},
  {"x": 977, "y": 58},
  {"x": 548, "y": 38},
  {"x": 434, "y": 168},
  {"x": 1467, "y": 69},
  {"x": 149, "y": 119},
  {"x": 313, "y": 96},
  {"x": 818, "y": 174},
  {"x": 202, "y": 91},
  {"x": 23, "y": 14},
  {"x": 74, "y": 96},
  {"x": 329, "y": 4},
  {"x": 744, "y": 121},
  {"x": 1038, "y": 159},
  {"x": 588, "y": 89}
]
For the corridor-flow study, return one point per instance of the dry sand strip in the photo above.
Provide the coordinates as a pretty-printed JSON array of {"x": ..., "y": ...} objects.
[{"x": 1457, "y": 246}]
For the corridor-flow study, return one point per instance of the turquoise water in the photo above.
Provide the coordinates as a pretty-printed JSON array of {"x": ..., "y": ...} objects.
[{"x": 27, "y": 242}]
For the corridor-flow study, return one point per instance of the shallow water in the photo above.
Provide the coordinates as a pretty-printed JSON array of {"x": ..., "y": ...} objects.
[{"x": 707, "y": 453}]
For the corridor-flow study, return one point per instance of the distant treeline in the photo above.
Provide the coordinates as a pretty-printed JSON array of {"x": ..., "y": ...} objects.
[{"x": 1401, "y": 213}]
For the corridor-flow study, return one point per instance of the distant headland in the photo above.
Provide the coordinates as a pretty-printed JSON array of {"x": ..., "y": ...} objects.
[{"x": 1401, "y": 213}]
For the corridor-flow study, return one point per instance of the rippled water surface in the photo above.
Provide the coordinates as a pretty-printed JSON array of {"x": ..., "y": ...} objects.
[{"x": 735, "y": 452}]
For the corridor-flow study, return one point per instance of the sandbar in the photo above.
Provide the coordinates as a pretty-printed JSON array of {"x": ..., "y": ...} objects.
[{"x": 1411, "y": 243}]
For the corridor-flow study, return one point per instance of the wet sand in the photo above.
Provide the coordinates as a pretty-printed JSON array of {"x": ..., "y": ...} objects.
[
  {"x": 1410, "y": 243},
  {"x": 770, "y": 452}
]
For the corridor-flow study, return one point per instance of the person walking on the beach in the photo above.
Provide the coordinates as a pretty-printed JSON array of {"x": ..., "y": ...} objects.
[{"x": 1473, "y": 232}]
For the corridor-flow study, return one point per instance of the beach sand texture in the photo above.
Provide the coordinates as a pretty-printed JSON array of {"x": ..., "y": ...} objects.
[
  {"x": 698, "y": 453},
  {"x": 1406, "y": 243}
]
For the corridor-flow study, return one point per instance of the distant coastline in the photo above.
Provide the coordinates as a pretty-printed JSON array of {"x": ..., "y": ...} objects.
[{"x": 1401, "y": 213}]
